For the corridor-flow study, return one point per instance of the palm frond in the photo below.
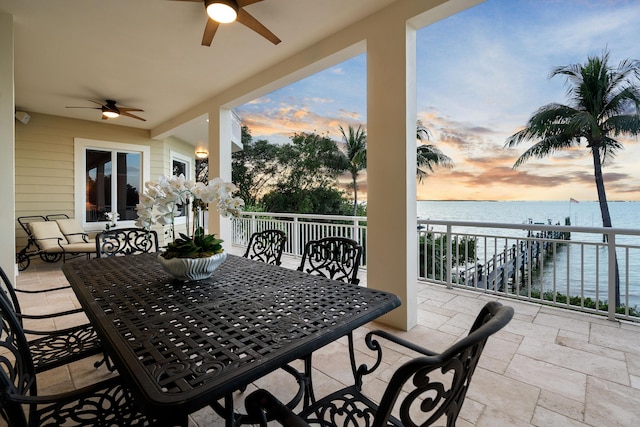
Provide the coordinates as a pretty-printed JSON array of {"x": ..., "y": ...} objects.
[
  {"x": 627, "y": 124},
  {"x": 546, "y": 147},
  {"x": 422, "y": 132},
  {"x": 429, "y": 156}
]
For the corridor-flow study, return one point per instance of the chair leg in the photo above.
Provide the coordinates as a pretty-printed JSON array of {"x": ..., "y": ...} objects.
[
  {"x": 309, "y": 396},
  {"x": 105, "y": 359},
  {"x": 352, "y": 358}
]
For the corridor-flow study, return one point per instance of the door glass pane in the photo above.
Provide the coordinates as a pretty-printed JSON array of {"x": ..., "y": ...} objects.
[
  {"x": 180, "y": 168},
  {"x": 98, "y": 185},
  {"x": 128, "y": 184}
]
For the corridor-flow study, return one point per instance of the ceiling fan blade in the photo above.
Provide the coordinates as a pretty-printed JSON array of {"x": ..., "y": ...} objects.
[
  {"x": 249, "y": 21},
  {"x": 96, "y": 102},
  {"x": 133, "y": 116},
  {"x": 93, "y": 108},
  {"x": 128, "y": 109},
  {"x": 194, "y": 1},
  {"x": 209, "y": 32},
  {"x": 243, "y": 3}
]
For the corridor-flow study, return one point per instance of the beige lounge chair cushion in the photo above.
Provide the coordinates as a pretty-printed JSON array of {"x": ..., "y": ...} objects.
[
  {"x": 46, "y": 234},
  {"x": 81, "y": 248},
  {"x": 72, "y": 230}
]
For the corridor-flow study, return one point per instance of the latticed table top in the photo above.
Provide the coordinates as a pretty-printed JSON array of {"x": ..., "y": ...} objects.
[{"x": 182, "y": 345}]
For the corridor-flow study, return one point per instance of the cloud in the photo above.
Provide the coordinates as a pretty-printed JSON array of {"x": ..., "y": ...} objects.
[{"x": 481, "y": 74}]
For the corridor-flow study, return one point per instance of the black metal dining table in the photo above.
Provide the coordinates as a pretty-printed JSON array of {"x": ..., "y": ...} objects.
[{"x": 182, "y": 345}]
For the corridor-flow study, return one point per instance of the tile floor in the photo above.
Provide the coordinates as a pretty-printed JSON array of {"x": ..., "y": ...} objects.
[{"x": 548, "y": 367}]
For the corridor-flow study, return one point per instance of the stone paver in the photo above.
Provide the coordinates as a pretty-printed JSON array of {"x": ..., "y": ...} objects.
[{"x": 548, "y": 367}]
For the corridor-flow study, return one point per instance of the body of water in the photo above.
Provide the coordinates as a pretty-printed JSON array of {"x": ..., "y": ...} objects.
[
  {"x": 583, "y": 214},
  {"x": 576, "y": 271}
]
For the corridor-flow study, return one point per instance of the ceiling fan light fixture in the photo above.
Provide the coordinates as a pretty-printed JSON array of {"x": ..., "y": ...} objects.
[
  {"x": 222, "y": 11},
  {"x": 110, "y": 114}
]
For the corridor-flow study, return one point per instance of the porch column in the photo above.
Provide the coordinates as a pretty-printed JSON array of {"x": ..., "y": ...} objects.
[
  {"x": 220, "y": 165},
  {"x": 391, "y": 167},
  {"x": 7, "y": 148}
]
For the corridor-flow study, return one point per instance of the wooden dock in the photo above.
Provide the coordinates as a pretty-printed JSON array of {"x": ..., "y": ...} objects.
[{"x": 514, "y": 263}]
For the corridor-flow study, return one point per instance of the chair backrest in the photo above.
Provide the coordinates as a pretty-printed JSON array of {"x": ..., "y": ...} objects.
[
  {"x": 8, "y": 293},
  {"x": 47, "y": 235},
  {"x": 17, "y": 373},
  {"x": 24, "y": 222},
  {"x": 336, "y": 258},
  {"x": 266, "y": 246},
  {"x": 126, "y": 241},
  {"x": 438, "y": 384},
  {"x": 72, "y": 230}
]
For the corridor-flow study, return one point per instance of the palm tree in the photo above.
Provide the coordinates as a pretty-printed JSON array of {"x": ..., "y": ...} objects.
[
  {"x": 604, "y": 105},
  {"x": 356, "y": 157},
  {"x": 428, "y": 155}
]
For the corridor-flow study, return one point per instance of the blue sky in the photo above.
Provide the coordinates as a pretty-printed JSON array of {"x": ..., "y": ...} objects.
[{"x": 480, "y": 75}]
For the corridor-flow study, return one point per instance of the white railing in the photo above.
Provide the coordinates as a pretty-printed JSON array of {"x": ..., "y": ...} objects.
[
  {"x": 300, "y": 228},
  {"x": 563, "y": 266}
]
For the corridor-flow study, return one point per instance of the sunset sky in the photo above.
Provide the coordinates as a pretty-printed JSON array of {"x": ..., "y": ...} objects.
[{"x": 481, "y": 74}]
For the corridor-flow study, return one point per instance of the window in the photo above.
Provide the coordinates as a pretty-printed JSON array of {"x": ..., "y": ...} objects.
[
  {"x": 181, "y": 165},
  {"x": 109, "y": 178}
]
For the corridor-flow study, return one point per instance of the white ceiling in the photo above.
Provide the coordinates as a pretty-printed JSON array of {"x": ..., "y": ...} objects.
[{"x": 147, "y": 53}]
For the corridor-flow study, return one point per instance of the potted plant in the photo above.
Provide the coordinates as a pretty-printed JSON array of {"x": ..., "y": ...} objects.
[{"x": 195, "y": 255}]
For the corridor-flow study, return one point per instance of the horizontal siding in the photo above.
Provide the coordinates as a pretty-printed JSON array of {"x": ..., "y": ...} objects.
[
  {"x": 44, "y": 161},
  {"x": 34, "y": 180},
  {"x": 55, "y": 194},
  {"x": 26, "y": 165}
]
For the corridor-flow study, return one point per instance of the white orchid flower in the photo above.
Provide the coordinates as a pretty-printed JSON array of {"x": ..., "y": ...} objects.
[{"x": 159, "y": 203}]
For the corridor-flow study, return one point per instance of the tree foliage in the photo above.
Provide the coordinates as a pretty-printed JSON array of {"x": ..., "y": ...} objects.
[
  {"x": 310, "y": 161},
  {"x": 428, "y": 156},
  {"x": 355, "y": 158},
  {"x": 254, "y": 167},
  {"x": 298, "y": 177}
]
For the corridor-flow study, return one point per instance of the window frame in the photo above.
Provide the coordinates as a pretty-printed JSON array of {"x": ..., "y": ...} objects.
[
  {"x": 188, "y": 161},
  {"x": 81, "y": 145}
]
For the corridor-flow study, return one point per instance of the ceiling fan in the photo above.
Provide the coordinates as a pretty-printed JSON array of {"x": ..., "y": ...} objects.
[
  {"x": 110, "y": 110},
  {"x": 226, "y": 11}
]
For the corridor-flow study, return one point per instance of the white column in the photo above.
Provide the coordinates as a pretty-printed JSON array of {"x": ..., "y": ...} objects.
[
  {"x": 7, "y": 148},
  {"x": 391, "y": 168},
  {"x": 220, "y": 165}
]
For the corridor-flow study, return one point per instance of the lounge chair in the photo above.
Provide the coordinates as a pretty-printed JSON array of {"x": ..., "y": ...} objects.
[{"x": 53, "y": 239}]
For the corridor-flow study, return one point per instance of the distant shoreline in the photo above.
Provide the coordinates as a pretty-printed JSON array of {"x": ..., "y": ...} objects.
[{"x": 532, "y": 201}]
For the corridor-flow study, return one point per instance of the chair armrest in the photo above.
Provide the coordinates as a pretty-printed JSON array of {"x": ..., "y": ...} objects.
[
  {"x": 263, "y": 405},
  {"x": 402, "y": 342},
  {"x": 86, "y": 403},
  {"x": 40, "y": 239},
  {"x": 84, "y": 236},
  {"x": 49, "y": 315},
  {"x": 42, "y": 290},
  {"x": 84, "y": 327}
]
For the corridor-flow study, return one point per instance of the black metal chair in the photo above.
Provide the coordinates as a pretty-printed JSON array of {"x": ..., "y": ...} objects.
[
  {"x": 266, "y": 246},
  {"x": 104, "y": 403},
  {"x": 336, "y": 258},
  {"x": 51, "y": 349},
  {"x": 425, "y": 390},
  {"x": 126, "y": 241}
]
